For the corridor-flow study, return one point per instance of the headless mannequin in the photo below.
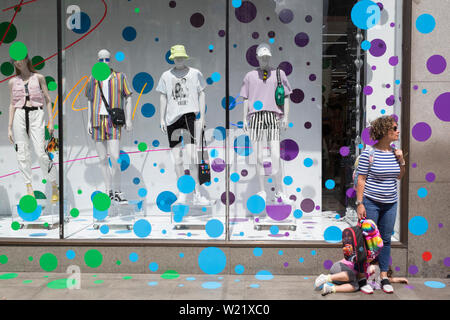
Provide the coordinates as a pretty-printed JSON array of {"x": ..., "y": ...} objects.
[
  {"x": 277, "y": 168},
  {"x": 180, "y": 70},
  {"x": 110, "y": 147}
]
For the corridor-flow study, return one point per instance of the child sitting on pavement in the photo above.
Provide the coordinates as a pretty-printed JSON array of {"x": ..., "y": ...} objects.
[{"x": 345, "y": 275}]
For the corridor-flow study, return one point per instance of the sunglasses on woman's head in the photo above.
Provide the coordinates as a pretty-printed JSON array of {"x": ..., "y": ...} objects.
[{"x": 104, "y": 60}]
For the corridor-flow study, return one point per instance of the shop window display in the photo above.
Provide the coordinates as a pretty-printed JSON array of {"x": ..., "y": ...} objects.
[{"x": 145, "y": 109}]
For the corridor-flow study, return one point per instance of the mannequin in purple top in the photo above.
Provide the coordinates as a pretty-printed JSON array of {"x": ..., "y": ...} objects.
[{"x": 263, "y": 118}]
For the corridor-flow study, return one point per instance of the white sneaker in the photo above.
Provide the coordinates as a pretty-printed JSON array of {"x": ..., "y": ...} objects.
[
  {"x": 328, "y": 288},
  {"x": 320, "y": 281},
  {"x": 386, "y": 286},
  {"x": 263, "y": 195},
  {"x": 200, "y": 200},
  {"x": 284, "y": 198},
  {"x": 367, "y": 288},
  {"x": 181, "y": 198}
]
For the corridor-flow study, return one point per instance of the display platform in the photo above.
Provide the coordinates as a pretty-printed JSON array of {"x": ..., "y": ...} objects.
[{"x": 45, "y": 216}]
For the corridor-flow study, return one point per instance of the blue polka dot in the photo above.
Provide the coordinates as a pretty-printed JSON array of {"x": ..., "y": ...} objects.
[
  {"x": 211, "y": 285},
  {"x": 155, "y": 143},
  {"x": 140, "y": 80},
  {"x": 301, "y": 260},
  {"x": 85, "y": 23},
  {"x": 136, "y": 180},
  {"x": 142, "y": 192},
  {"x": 162, "y": 170},
  {"x": 211, "y": 47},
  {"x": 236, "y": 3},
  {"x": 214, "y": 153},
  {"x": 214, "y": 228},
  {"x": 256, "y": 204},
  {"x": 313, "y": 252},
  {"x": 422, "y": 192},
  {"x": 215, "y": 76},
  {"x": 383, "y": 111},
  {"x": 332, "y": 234},
  {"x": 209, "y": 81},
  {"x": 142, "y": 228},
  {"x": 232, "y": 102},
  {"x": 168, "y": 54},
  {"x": 104, "y": 229},
  {"x": 264, "y": 275},
  {"x": 271, "y": 40},
  {"x": 216, "y": 179},
  {"x": 280, "y": 252},
  {"x": 425, "y": 23},
  {"x": 435, "y": 284},
  {"x": 274, "y": 230},
  {"x": 186, "y": 184},
  {"x": 257, "y": 252},
  {"x": 165, "y": 200},
  {"x": 360, "y": 146},
  {"x": 70, "y": 254},
  {"x": 133, "y": 257},
  {"x": 242, "y": 145},
  {"x": 181, "y": 255},
  {"x": 290, "y": 124},
  {"x": 298, "y": 213},
  {"x": 212, "y": 260},
  {"x": 153, "y": 266},
  {"x": 330, "y": 184},
  {"x": 156, "y": 39},
  {"x": 120, "y": 56},
  {"x": 288, "y": 180},
  {"x": 365, "y": 14},
  {"x": 129, "y": 33},
  {"x": 258, "y": 105},
  {"x": 397, "y": 82},
  {"x": 424, "y": 91},
  {"x": 298, "y": 189},
  {"x": 148, "y": 110},
  {"x": 153, "y": 283},
  {"x": 418, "y": 225},
  {"x": 269, "y": 180},
  {"x": 308, "y": 162},
  {"x": 100, "y": 215},
  {"x": 239, "y": 269},
  {"x": 234, "y": 177},
  {"x": 365, "y": 45}
]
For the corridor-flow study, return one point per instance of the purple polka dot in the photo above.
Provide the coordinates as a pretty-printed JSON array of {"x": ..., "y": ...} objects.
[
  {"x": 392, "y": 24},
  {"x": 413, "y": 269},
  {"x": 297, "y": 96},
  {"x": 430, "y": 177},
  {"x": 218, "y": 165},
  {"x": 301, "y": 39},
  {"x": 414, "y": 165},
  {"x": 271, "y": 34},
  {"x": 285, "y": 264},
  {"x": 288, "y": 150},
  {"x": 197, "y": 20},
  {"x": 286, "y": 234},
  {"x": 374, "y": 68},
  {"x": 374, "y": 107},
  {"x": 328, "y": 264},
  {"x": 436, "y": 64},
  {"x": 351, "y": 193},
  {"x": 393, "y": 61},
  {"x": 172, "y": 4},
  {"x": 251, "y": 56},
  {"x": 421, "y": 131},
  {"x": 380, "y": 5},
  {"x": 244, "y": 173},
  {"x": 395, "y": 117},
  {"x": 256, "y": 219},
  {"x": 308, "y": 125},
  {"x": 222, "y": 33},
  {"x": 365, "y": 136},
  {"x": 286, "y": 15},
  {"x": 440, "y": 225},
  {"x": 308, "y": 18},
  {"x": 368, "y": 90},
  {"x": 307, "y": 205},
  {"x": 255, "y": 35},
  {"x": 397, "y": 269},
  {"x": 293, "y": 197},
  {"x": 447, "y": 262},
  {"x": 317, "y": 207},
  {"x": 378, "y": 48},
  {"x": 312, "y": 77},
  {"x": 390, "y": 100},
  {"x": 442, "y": 107},
  {"x": 388, "y": 86},
  {"x": 286, "y": 66},
  {"x": 344, "y": 151},
  {"x": 246, "y": 12},
  {"x": 231, "y": 197}
]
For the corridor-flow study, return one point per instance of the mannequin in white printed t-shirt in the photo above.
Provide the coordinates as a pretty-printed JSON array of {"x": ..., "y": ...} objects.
[
  {"x": 106, "y": 136},
  {"x": 182, "y": 97}
]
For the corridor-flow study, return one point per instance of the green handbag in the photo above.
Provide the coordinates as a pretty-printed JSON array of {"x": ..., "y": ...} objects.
[{"x": 279, "y": 92}]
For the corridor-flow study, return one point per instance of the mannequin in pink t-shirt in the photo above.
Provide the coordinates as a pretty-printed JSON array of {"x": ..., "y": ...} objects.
[{"x": 264, "y": 119}]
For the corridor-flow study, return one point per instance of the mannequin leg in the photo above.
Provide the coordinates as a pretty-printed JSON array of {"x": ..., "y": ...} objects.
[
  {"x": 278, "y": 172},
  {"x": 21, "y": 142},
  {"x": 177, "y": 160},
  {"x": 113, "y": 148},
  {"x": 101, "y": 148}
]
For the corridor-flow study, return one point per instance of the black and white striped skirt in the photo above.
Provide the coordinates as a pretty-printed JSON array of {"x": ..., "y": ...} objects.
[{"x": 264, "y": 122}]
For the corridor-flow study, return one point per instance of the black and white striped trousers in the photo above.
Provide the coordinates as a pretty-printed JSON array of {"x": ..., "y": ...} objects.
[{"x": 264, "y": 122}]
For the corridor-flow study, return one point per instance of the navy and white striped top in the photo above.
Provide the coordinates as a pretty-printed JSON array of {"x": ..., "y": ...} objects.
[{"x": 381, "y": 182}]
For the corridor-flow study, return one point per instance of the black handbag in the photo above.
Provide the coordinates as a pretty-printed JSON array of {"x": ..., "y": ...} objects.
[
  {"x": 117, "y": 115},
  {"x": 204, "y": 168}
]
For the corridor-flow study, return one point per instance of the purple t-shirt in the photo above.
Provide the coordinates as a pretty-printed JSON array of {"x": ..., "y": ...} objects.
[{"x": 260, "y": 94}]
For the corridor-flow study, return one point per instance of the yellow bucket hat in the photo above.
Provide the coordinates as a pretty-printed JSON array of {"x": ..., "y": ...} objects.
[{"x": 178, "y": 51}]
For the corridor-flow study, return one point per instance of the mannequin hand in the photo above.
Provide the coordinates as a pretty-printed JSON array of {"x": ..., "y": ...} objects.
[
  {"x": 163, "y": 127},
  {"x": 89, "y": 128},
  {"x": 245, "y": 125},
  {"x": 10, "y": 136},
  {"x": 128, "y": 126},
  {"x": 50, "y": 127}
]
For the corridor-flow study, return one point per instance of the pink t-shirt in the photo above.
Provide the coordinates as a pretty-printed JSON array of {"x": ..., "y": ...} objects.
[{"x": 261, "y": 94}]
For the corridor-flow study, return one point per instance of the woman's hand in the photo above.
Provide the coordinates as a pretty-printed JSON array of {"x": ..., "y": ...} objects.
[
  {"x": 399, "y": 155},
  {"x": 51, "y": 127},
  {"x": 10, "y": 136},
  {"x": 361, "y": 211}
]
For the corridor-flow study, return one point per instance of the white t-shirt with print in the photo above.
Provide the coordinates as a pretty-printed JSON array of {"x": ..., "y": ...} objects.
[
  {"x": 182, "y": 88},
  {"x": 105, "y": 86}
]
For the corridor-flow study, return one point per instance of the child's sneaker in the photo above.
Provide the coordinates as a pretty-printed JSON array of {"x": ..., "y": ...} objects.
[
  {"x": 365, "y": 287},
  {"x": 328, "y": 288},
  {"x": 320, "y": 281}
]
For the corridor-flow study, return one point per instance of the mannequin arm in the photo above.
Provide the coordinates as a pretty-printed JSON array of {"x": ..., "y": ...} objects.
[
  {"x": 129, "y": 124},
  {"x": 163, "y": 107},
  {"x": 285, "y": 119},
  {"x": 245, "y": 114},
  {"x": 89, "y": 122},
  {"x": 47, "y": 102},
  {"x": 202, "y": 103},
  {"x": 11, "y": 113}
]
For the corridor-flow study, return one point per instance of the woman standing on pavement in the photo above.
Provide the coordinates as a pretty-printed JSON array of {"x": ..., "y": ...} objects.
[{"x": 376, "y": 194}]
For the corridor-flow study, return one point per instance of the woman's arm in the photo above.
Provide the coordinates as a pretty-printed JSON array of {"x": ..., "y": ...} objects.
[
  {"x": 11, "y": 113},
  {"x": 47, "y": 102},
  {"x": 360, "y": 209},
  {"x": 398, "y": 280}
]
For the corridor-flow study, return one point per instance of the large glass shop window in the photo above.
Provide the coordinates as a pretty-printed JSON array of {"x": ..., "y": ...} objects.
[
  {"x": 29, "y": 195},
  {"x": 143, "y": 83}
]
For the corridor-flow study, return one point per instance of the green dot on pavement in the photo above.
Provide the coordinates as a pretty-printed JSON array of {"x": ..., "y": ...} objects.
[
  {"x": 101, "y": 71},
  {"x": 18, "y": 51},
  {"x": 48, "y": 262},
  {"x": 93, "y": 258},
  {"x": 3, "y": 259}
]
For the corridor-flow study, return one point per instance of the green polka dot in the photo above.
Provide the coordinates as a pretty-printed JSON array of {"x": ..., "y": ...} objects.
[
  {"x": 27, "y": 281},
  {"x": 46, "y": 225},
  {"x": 56, "y": 127},
  {"x": 99, "y": 281},
  {"x": 93, "y": 258},
  {"x": 170, "y": 274},
  {"x": 7, "y": 68},
  {"x": 142, "y": 146},
  {"x": 61, "y": 284},
  {"x": 12, "y": 32},
  {"x": 101, "y": 71},
  {"x": 28, "y": 204},
  {"x": 101, "y": 201},
  {"x": 137, "y": 10},
  {"x": 44, "y": 181},
  {"x": 45, "y": 276},
  {"x": 38, "y": 63},
  {"x": 118, "y": 262},
  {"x": 18, "y": 51},
  {"x": 15, "y": 226},
  {"x": 127, "y": 277},
  {"x": 3, "y": 259},
  {"x": 74, "y": 212},
  {"x": 30, "y": 258},
  {"x": 52, "y": 86},
  {"x": 48, "y": 262},
  {"x": 7, "y": 276},
  {"x": 79, "y": 191}
]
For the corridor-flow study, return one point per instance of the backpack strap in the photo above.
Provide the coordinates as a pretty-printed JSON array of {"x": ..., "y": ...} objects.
[{"x": 279, "y": 77}]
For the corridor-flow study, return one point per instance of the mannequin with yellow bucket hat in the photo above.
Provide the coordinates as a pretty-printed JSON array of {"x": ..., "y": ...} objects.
[{"x": 182, "y": 98}]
